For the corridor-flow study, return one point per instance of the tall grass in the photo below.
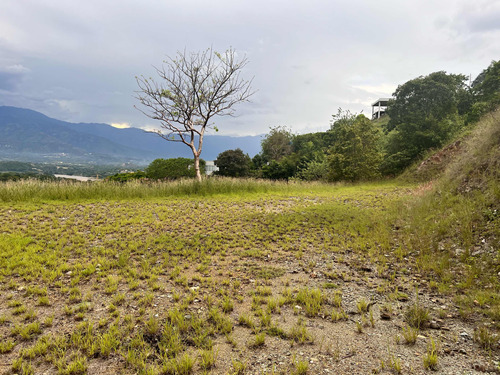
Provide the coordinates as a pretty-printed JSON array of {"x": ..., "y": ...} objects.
[
  {"x": 455, "y": 226},
  {"x": 39, "y": 191}
]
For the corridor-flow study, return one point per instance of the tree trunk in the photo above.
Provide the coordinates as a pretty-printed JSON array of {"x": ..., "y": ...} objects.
[{"x": 197, "y": 166}]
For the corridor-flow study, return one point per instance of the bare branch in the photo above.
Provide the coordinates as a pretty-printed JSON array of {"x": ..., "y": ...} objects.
[{"x": 193, "y": 88}]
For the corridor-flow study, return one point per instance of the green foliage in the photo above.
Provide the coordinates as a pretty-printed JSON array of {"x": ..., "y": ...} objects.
[
  {"x": 424, "y": 114},
  {"x": 486, "y": 86},
  {"x": 173, "y": 169},
  {"x": 16, "y": 176},
  {"x": 277, "y": 144},
  {"x": 431, "y": 357},
  {"x": 233, "y": 163},
  {"x": 355, "y": 155},
  {"x": 314, "y": 171},
  {"x": 417, "y": 316},
  {"x": 282, "y": 170},
  {"x": 127, "y": 176},
  {"x": 45, "y": 169}
]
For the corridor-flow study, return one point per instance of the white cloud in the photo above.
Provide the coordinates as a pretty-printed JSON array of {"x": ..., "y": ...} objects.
[
  {"x": 16, "y": 69},
  {"x": 120, "y": 125}
]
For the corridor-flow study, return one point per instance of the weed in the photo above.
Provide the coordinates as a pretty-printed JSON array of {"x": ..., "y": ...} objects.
[
  {"x": 417, "y": 316},
  {"x": 410, "y": 335},
  {"x": 7, "y": 346},
  {"x": 276, "y": 331},
  {"x": 338, "y": 314},
  {"x": 30, "y": 315},
  {"x": 330, "y": 285},
  {"x": 222, "y": 323},
  {"x": 184, "y": 364},
  {"x": 28, "y": 331},
  {"x": 485, "y": 338},
  {"x": 312, "y": 300},
  {"x": 395, "y": 364},
  {"x": 362, "y": 305},
  {"x": 48, "y": 321},
  {"x": 258, "y": 341},
  {"x": 227, "y": 305},
  {"x": 78, "y": 366},
  {"x": 208, "y": 359},
  {"x": 118, "y": 299},
  {"x": 263, "y": 291},
  {"x": 43, "y": 301},
  {"x": 300, "y": 366},
  {"x": 300, "y": 334},
  {"x": 239, "y": 367},
  {"x": 431, "y": 357},
  {"x": 19, "y": 310},
  {"x": 359, "y": 327},
  {"x": 246, "y": 321},
  {"x": 372, "y": 319},
  {"x": 337, "y": 299},
  {"x": 273, "y": 305},
  {"x": 152, "y": 327}
]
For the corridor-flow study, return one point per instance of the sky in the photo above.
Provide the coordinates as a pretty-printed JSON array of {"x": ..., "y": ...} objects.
[{"x": 77, "y": 60}]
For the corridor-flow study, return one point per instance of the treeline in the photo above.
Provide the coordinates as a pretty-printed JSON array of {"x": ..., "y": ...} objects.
[
  {"x": 162, "y": 169},
  {"x": 424, "y": 114},
  {"x": 17, "y": 176},
  {"x": 35, "y": 170}
]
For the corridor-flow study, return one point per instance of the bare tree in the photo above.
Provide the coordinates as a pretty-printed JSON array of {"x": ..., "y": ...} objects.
[{"x": 193, "y": 88}]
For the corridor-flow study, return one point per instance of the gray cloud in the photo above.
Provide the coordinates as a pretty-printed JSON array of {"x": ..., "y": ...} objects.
[
  {"x": 11, "y": 76},
  {"x": 308, "y": 57}
]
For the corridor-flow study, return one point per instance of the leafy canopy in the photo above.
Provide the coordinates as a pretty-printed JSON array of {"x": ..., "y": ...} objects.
[
  {"x": 355, "y": 155},
  {"x": 172, "y": 168},
  {"x": 233, "y": 163}
]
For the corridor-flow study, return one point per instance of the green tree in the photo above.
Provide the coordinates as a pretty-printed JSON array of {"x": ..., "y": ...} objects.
[
  {"x": 277, "y": 144},
  {"x": 282, "y": 170},
  {"x": 173, "y": 169},
  {"x": 233, "y": 163},
  {"x": 486, "y": 86},
  {"x": 486, "y": 92},
  {"x": 193, "y": 88},
  {"x": 355, "y": 155},
  {"x": 423, "y": 115}
]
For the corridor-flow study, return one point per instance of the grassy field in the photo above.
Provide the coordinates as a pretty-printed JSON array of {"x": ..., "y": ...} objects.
[{"x": 234, "y": 277}]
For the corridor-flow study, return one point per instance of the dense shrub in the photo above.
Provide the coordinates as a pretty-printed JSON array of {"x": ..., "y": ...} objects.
[{"x": 173, "y": 169}]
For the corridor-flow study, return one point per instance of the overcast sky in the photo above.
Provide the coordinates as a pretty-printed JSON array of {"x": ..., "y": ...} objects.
[{"x": 77, "y": 60}]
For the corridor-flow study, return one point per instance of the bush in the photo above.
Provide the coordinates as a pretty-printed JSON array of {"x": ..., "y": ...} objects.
[
  {"x": 173, "y": 169},
  {"x": 128, "y": 176},
  {"x": 233, "y": 163}
]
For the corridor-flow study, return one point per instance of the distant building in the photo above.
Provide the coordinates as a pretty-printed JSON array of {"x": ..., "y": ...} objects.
[
  {"x": 379, "y": 107},
  {"x": 210, "y": 167}
]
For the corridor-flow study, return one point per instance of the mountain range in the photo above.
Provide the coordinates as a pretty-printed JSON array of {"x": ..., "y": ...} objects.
[{"x": 27, "y": 135}]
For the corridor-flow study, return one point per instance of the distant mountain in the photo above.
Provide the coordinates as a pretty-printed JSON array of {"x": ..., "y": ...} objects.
[{"x": 31, "y": 136}]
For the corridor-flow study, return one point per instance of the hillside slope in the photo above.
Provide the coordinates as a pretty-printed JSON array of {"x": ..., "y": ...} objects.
[
  {"x": 28, "y": 135},
  {"x": 453, "y": 226}
]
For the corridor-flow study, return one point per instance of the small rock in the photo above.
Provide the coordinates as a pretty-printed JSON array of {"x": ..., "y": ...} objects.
[
  {"x": 385, "y": 315},
  {"x": 479, "y": 367},
  {"x": 434, "y": 324},
  {"x": 465, "y": 335}
]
